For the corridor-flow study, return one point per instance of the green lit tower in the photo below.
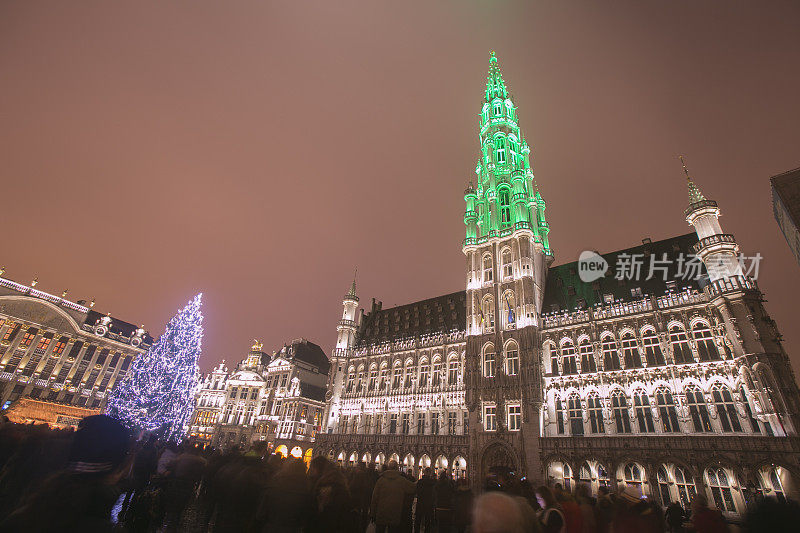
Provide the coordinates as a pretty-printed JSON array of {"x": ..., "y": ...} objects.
[{"x": 508, "y": 253}]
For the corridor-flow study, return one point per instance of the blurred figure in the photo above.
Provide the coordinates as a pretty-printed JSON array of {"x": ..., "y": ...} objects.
[
  {"x": 287, "y": 503},
  {"x": 80, "y": 497},
  {"x": 144, "y": 466},
  {"x": 386, "y": 508},
  {"x": 187, "y": 471},
  {"x": 585, "y": 503},
  {"x": 604, "y": 511},
  {"x": 573, "y": 519},
  {"x": 333, "y": 508},
  {"x": 551, "y": 518},
  {"x": 675, "y": 516},
  {"x": 769, "y": 515},
  {"x": 462, "y": 506},
  {"x": 444, "y": 503},
  {"x": 632, "y": 514},
  {"x": 426, "y": 496},
  {"x": 704, "y": 519},
  {"x": 496, "y": 512}
]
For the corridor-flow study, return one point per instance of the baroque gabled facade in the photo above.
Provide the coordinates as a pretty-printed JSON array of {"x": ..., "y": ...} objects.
[{"x": 668, "y": 375}]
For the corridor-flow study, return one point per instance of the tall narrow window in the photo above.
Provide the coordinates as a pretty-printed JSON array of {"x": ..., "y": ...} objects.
[
  {"x": 726, "y": 410},
  {"x": 500, "y": 147},
  {"x": 351, "y": 379},
  {"x": 508, "y": 266},
  {"x": 514, "y": 417},
  {"x": 641, "y": 405},
  {"x": 490, "y": 417},
  {"x": 587, "y": 357},
  {"x": 652, "y": 349},
  {"x": 498, "y": 108},
  {"x": 421, "y": 424},
  {"x": 595, "y": 413},
  {"x": 436, "y": 375},
  {"x": 409, "y": 375},
  {"x": 489, "y": 363},
  {"x": 575, "y": 415},
  {"x": 505, "y": 207},
  {"x": 554, "y": 361},
  {"x": 667, "y": 412},
  {"x": 512, "y": 360},
  {"x": 706, "y": 349},
  {"x": 406, "y": 423},
  {"x": 424, "y": 371},
  {"x": 680, "y": 345},
  {"x": 559, "y": 416},
  {"x": 383, "y": 377},
  {"x": 633, "y": 476},
  {"x": 393, "y": 424},
  {"x": 452, "y": 372},
  {"x": 721, "y": 489},
  {"x": 487, "y": 268},
  {"x": 610, "y": 353},
  {"x": 698, "y": 410},
  {"x": 685, "y": 485},
  {"x": 373, "y": 378},
  {"x": 663, "y": 486},
  {"x": 487, "y": 315},
  {"x": 569, "y": 362},
  {"x": 754, "y": 424},
  {"x": 630, "y": 351},
  {"x": 619, "y": 407},
  {"x": 397, "y": 376}
]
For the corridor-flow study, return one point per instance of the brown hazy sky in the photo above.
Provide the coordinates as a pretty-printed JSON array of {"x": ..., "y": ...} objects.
[{"x": 259, "y": 151}]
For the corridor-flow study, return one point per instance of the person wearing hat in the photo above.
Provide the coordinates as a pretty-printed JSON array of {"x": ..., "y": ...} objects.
[{"x": 80, "y": 497}]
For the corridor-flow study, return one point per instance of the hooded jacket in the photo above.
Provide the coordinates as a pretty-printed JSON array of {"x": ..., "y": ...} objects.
[{"x": 388, "y": 496}]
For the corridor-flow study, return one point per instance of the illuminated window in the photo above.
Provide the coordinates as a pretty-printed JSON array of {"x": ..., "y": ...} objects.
[
  {"x": 28, "y": 337},
  {"x": 698, "y": 410},
  {"x": 498, "y": 108},
  {"x": 685, "y": 485},
  {"x": 706, "y": 348},
  {"x": 559, "y": 416},
  {"x": 505, "y": 206},
  {"x": 487, "y": 268},
  {"x": 11, "y": 332},
  {"x": 508, "y": 267},
  {"x": 424, "y": 372},
  {"x": 489, "y": 418},
  {"x": 569, "y": 362},
  {"x": 501, "y": 150},
  {"x": 434, "y": 423},
  {"x": 373, "y": 378},
  {"x": 514, "y": 417},
  {"x": 488, "y": 364},
  {"x": 452, "y": 373},
  {"x": 60, "y": 346},
  {"x": 44, "y": 342},
  {"x": 397, "y": 376},
  {"x": 641, "y": 404},
  {"x": 721, "y": 489},
  {"x": 726, "y": 410},
  {"x": 587, "y": 357},
  {"x": 436, "y": 376}
]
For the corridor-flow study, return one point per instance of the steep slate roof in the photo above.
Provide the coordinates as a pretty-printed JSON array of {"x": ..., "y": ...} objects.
[
  {"x": 303, "y": 350},
  {"x": 442, "y": 314},
  {"x": 312, "y": 392},
  {"x": 117, "y": 326},
  {"x": 564, "y": 288}
]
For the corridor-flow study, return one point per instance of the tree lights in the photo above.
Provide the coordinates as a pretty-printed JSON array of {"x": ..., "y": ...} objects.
[{"x": 158, "y": 392}]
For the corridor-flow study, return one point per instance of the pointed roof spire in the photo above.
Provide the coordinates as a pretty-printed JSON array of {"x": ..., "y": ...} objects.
[
  {"x": 694, "y": 193},
  {"x": 352, "y": 292},
  {"x": 495, "y": 85}
]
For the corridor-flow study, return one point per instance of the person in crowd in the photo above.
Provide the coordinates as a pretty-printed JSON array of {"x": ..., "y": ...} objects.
[
  {"x": 635, "y": 514},
  {"x": 332, "y": 502},
  {"x": 551, "y": 517},
  {"x": 80, "y": 497},
  {"x": 496, "y": 512},
  {"x": 768, "y": 515},
  {"x": 705, "y": 519},
  {"x": 444, "y": 503},
  {"x": 604, "y": 511},
  {"x": 462, "y": 506},
  {"x": 573, "y": 519},
  {"x": 386, "y": 507},
  {"x": 426, "y": 499},
  {"x": 187, "y": 471},
  {"x": 287, "y": 503},
  {"x": 361, "y": 487},
  {"x": 144, "y": 466},
  {"x": 585, "y": 502},
  {"x": 675, "y": 517}
]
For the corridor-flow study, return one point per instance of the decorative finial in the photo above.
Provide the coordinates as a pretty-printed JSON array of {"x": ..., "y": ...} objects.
[
  {"x": 2, "y": 270},
  {"x": 685, "y": 170},
  {"x": 492, "y": 57},
  {"x": 694, "y": 193},
  {"x": 64, "y": 293},
  {"x": 34, "y": 282},
  {"x": 256, "y": 345},
  {"x": 91, "y": 304}
]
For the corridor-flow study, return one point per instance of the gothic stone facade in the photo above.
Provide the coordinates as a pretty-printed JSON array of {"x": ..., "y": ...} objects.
[
  {"x": 60, "y": 354},
  {"x": 673, "y": 381}
]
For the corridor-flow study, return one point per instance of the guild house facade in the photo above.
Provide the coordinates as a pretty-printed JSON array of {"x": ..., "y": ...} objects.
[{"x": 663, "y": 372}]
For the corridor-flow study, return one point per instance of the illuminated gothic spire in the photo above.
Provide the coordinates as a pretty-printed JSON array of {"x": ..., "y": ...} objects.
[
  {"x": 352, "y": 292},
  {"x": 694, "y": 193},
  {"x": 505, "y": 198}
]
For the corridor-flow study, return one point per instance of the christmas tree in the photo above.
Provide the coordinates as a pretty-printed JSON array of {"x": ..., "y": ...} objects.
[{"x": 158, "y": 391}]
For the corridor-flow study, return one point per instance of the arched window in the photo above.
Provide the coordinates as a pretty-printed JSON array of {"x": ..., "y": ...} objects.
[
  {"x": 663, "y": 486},
  {"x": 489, "y": 368},
  {"x": 505, "y": 203},
  {"x": 384, "y": 376},
  {"x": 436, "y": 376},
  {"x": 487, "y": 315},
  {"x": 508, "y": 266},
  {"x": 595, "y": 407},
  {"x": 685, "y": 486},
  {"x": 602, "y": 477},
  {"x": 512, "y": 360},
  {"x": 587, "y": 357},
  {"x": 585, "y": 475},
  {"x": 397, "y": 376},
  {"x": 630, "y": 351},
  {"x": 360, "y": 379},
  {"x": 567, "y": 477},
  {"x": 509, "y": 309},
  {"x": 487, "y": 268},
  {"x": 706, "y": 349},
  {"x": 559, "y": 416},
  {"x": 351, "y": 379},
  {"x": 498, "y": 108},
  {"x": 424, "y": 373},
  {"x": 667, "y": 412},
  {"x": 575, "y": 415},
  {"x": 755, "y": 425},
  {"x": 641, "y": 405},
  {"x": 554, "y": 361},
  {"x": 680, "y": 345},
  {"x": 774, "y": 479},
  {"x": 569, "y": 363},
  {"x": 373, "y": 377},
  {"x": 409, "y": 375},
  {"x": 452, "y": 372},
  {"x": 721, "y": 489},
  {"x": 697, "y": 409},
  {"x": 633, "y": 476},
  {"x": 500, "y": 149},
  {"x": 619, "y": 407},
  {"x": 652, "y": 349},
  {"x": 610, "y": 353},
  {"x": 726, "y": 410}
]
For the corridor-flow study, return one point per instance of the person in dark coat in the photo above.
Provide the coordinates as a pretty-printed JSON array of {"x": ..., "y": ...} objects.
[
  {"x": 444, "y": 503},
  {"x": 462, "y": 506},
  {"x": 333, "y": 504},
  {"x": 391, "y": 489},
  {"x": 287, "y": 503},
  {"x": 426, "y": 500},
  {"x": 80, "y": 497}
]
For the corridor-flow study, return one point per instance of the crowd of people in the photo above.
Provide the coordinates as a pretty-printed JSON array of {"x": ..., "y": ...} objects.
[{"x": 98, "y": 479}]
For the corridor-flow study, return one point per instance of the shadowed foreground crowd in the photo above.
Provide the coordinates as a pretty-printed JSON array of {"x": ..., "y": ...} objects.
[{"x": 98, "y": 479}]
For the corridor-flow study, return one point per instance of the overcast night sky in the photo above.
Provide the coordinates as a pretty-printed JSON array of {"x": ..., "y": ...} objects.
[{"x": 260, "y": 151}]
